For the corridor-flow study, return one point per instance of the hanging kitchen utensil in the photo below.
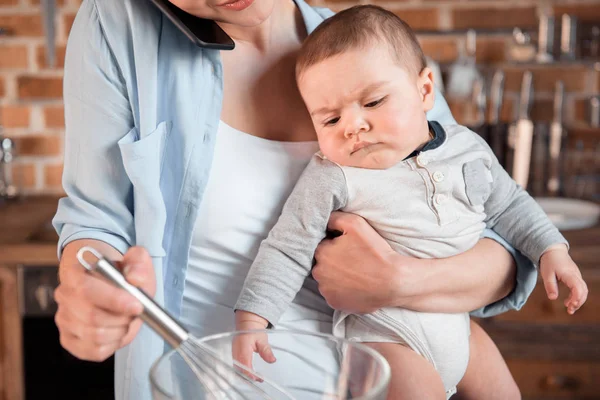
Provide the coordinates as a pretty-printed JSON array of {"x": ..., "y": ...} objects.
[
  {"x": 545, "y": 53},
  {"x": 479, "y": 124},
  {"x": 539, "y": 159},
  {"x": 463, "y": 73},
  {"x": 523, "y": 133},
  {"x": 8, "y": 189},
  {"x": 497, "y": 129},
  {"x": 49, "y": 8},
  {"x": 556, "y": 135},
  {"x": 595, "y": 42},
  {"x": 593, "y": 111},
  {"x": 568, "y": 37}
]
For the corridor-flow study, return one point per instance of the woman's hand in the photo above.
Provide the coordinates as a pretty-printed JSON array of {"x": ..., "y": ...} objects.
[
  {"x": 358, "y": 270},
  {"x": 94, "y": 317}
]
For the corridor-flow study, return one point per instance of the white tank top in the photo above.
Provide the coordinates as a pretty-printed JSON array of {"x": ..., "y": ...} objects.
[{"x": 250, "y": 180}]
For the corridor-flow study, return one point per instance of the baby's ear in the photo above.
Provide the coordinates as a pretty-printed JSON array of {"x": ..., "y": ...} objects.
[{"x": 426, "y": 88}]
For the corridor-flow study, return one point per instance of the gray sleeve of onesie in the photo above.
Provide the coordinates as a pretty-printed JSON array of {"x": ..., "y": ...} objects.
[
  {"x": 285, "y": 257},
  {"x": 517, "y": 217}
]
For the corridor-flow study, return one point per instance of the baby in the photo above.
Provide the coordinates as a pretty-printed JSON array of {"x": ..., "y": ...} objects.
[{"x": 429, "y": 190}]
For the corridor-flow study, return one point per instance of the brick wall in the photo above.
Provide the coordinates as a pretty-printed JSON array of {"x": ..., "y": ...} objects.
[
  {"x": 30, "y": 93},
  {"x": 31, "y": 110}
]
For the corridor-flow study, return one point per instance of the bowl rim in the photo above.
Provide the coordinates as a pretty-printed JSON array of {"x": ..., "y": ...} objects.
[{"x": 377, "y": 390}]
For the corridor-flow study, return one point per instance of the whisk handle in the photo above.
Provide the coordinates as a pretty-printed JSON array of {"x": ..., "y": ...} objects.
[{"x": 154, "y": 315}]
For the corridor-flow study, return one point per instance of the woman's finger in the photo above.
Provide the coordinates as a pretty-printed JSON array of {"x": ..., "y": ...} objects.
[
  {"x": 84, "y": 351},
  {"x": 138, "y": 269},
  {"x": 99, "y": 335},
  {"x": 132, "y": 331},
  {"x": 86, "y": 313},
  {"x": 343, "y": 222},
  {"x": 80, "y": 285},
  {"x": 108, "y": 297},
  {"x": 323, "y": 249}
]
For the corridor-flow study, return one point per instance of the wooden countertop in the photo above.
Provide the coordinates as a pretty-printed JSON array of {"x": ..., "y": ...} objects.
[
  {"x": 26, "y": 232},
  {"x": 27, "y": 236}
]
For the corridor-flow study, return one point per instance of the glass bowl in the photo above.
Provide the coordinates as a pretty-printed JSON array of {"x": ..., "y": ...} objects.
[{"x": 309, "y": 366}]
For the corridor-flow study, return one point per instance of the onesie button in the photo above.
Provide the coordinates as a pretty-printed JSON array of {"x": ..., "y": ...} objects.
[
  {"x": 438, "y": 176},
  {"x": 422, "y": 160},
  {"x": 440, "y": 198}
]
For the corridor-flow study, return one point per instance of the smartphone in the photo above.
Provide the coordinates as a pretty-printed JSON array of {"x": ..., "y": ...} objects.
[{"x": 203, "y": 33}]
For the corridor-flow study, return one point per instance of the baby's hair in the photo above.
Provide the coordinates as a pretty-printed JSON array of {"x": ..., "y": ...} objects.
[{"x": 357, "y": 28}]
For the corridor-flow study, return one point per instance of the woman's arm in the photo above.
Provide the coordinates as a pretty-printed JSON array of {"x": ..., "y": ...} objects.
[
  {"x": 97, "y": 114},
  {"x": 95, "y": 318},
  {"x": 480, "y": 276},
  {"x": 359, "y": 272}
]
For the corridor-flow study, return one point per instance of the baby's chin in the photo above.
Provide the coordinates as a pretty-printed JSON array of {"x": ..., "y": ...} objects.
[
  {"x": 375, "y": 160},
  {"x": 375, "y": 164}
]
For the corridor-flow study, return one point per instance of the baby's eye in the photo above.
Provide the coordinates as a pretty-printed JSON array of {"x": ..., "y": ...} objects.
[
  {"x": 374, "y": 103},
  {"x": 332, "y": 121}
]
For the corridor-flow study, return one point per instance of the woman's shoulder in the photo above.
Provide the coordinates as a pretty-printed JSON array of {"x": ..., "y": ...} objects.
[
  {"x": 120, "y": 20},
  {"x": 125, "y": 11}
]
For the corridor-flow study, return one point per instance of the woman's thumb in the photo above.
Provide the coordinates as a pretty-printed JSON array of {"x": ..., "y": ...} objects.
[{"x": 138, "y": 269}]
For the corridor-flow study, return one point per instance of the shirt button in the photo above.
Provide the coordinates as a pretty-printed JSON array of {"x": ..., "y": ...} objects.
[
  {"x": 440, "y": 198},
  {"x": 175, "y": 281},
  {"x": 438, "y": 176},
  {"x": 422, "y": 160}
]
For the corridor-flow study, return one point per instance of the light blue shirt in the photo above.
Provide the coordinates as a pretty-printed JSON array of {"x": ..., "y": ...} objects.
[{"x": 142, "y": 106}]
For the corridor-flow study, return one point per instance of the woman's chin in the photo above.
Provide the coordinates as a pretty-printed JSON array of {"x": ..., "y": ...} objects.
[{"x": 254, "y": 15}]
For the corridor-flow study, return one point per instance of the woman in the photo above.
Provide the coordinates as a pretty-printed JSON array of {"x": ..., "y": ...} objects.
[{"x": 188, "y": 154}]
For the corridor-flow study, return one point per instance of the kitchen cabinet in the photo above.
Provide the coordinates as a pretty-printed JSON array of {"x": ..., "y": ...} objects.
[
  {"x": 11, "y": 383},
  {"x": 25, "y": 240}
]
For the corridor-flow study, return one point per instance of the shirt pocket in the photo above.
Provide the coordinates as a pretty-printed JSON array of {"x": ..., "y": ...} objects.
[
  {"x": 478, "y": 182},
  {"x": 142, "y": 160}
]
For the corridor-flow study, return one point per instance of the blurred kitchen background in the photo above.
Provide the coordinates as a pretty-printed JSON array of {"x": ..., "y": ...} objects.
[{"x": 499, "y": 63}]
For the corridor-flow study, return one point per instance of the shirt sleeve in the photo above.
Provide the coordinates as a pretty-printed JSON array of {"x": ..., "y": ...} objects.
[
  {"x": 518, "y": 218},
  {"x": 98, "y": 202},
  {"x": 285, "y": 257},
  {"x": 515, "y": 219},
  {"x": 526, "y": 280}
]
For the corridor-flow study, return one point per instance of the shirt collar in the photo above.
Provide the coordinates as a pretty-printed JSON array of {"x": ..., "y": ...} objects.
[
  {"x": 439, "y": 136},
  {"x": 311, "y": 18}
]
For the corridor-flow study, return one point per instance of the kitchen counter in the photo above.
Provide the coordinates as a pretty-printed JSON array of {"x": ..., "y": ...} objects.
[{"x": 26, "y": 232}]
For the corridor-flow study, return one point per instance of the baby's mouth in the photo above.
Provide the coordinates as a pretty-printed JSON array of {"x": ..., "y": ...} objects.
[{"x": 360, "y": 145}]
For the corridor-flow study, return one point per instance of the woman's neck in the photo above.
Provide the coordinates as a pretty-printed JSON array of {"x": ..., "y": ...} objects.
[{"x": 274, "y": 31}]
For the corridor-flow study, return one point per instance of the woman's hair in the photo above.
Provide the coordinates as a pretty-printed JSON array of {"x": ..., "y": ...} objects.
[{"x": 357, "y": 28}]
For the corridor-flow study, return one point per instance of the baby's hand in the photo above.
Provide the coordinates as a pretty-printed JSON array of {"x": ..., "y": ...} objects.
[
  {"x": 246, "y": 344},
  {"x": 556, "y": 265}
]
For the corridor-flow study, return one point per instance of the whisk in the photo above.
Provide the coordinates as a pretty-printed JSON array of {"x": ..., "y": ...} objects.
[{"x": 221, "y": 379}]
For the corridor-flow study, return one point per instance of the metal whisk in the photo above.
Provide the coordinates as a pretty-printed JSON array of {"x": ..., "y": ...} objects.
[{"x": 221, "y": 379}]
